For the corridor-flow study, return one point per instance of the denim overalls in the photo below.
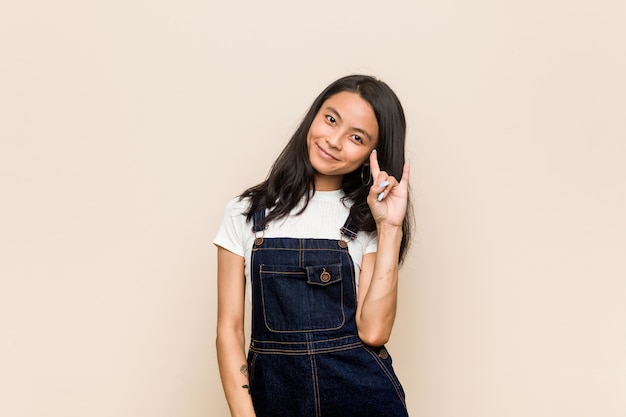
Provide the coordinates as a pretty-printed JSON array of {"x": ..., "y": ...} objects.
[{"x": 305, "y": 357}]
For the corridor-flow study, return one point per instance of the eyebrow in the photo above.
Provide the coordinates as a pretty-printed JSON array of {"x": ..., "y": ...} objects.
[{"x": 357, "y": 129}]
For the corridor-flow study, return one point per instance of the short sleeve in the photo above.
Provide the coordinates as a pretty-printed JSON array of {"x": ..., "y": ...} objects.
[
  {"x": 232, "y": 230},
  {"x": 372, "y": 243}
]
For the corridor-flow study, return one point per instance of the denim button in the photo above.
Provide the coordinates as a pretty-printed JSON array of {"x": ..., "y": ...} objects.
[
  {"x": 325, "y": 276},
  {"x": 342, "y": 244},
  {"x": 383, "y": 354}
]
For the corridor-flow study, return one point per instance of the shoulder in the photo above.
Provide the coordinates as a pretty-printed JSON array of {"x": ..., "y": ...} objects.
[
  {"x": 234, "y": 229},
  {"x": 235, "y": 211},
  {"x": 234, "y": 215},
  {"x": 237, "y": 206}
]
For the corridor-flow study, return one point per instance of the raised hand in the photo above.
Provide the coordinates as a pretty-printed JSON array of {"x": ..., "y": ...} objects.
[{"x": 388, "y": 197}]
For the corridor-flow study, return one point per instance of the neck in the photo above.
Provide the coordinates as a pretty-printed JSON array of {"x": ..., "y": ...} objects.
[{"x": 327, "y": 183}]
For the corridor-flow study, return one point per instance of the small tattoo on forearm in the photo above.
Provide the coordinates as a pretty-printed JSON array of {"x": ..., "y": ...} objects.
[{"x": 244, "y": 371}]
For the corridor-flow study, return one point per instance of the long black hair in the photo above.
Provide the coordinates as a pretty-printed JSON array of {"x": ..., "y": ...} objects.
[{"x": 292, "y": 178}]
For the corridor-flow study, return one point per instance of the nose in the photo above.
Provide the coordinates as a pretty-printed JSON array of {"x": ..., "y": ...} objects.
[{"x": 334, "y": 140}]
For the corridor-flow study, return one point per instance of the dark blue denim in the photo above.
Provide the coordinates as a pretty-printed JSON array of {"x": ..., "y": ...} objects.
[{"x": 306, "y": 358}]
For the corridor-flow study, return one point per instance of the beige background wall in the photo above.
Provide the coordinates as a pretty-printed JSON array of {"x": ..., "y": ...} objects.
[{"x": 125, "y": 126}]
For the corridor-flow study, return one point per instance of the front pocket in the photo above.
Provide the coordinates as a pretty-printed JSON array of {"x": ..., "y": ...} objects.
[
  {"x": 382, "y": 358},
  {"x": 299, "y": 299},
  {"x": 251, "y": 365}
]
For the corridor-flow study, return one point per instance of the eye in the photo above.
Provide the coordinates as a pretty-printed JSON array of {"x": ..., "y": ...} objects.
[
  {"x": 331, "y": 119},
  {"x": 357, "y": 138}
]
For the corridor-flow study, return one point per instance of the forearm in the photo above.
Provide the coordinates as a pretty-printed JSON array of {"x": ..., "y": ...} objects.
[
  {"x": 378, "y": 310},
  {"x": 234, "y": 371}
]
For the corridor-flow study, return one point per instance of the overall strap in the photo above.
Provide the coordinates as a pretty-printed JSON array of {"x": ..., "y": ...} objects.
[
  {"x": 349, "y": 230},
  {"x": 259, "y": 226},
  {"x": 259, "y": 221}
]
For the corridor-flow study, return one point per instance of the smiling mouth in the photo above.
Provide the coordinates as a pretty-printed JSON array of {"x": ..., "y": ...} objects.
[{"x": 326, "y": 154}]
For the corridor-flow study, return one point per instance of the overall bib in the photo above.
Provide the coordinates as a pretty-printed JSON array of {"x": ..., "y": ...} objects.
[{"x": 305, "y": 357}]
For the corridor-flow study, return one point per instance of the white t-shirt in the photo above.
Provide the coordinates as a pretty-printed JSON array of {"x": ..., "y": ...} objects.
[{"x": 323, "y": 218}]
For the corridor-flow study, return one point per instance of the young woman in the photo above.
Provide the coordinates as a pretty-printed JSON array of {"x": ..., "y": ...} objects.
[{"x": 316, "y": 249}]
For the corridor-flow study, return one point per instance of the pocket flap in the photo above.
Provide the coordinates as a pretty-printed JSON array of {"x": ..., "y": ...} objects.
[{"x": 323, "y": 274}]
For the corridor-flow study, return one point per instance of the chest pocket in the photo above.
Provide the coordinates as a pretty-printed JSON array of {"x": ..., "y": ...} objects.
[{"x": 297, "y": 299}]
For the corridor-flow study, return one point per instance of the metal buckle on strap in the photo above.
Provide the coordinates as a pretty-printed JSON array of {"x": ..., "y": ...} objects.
[
  {"x": 258, "y": 239},
  {"x": 346, "y": 232}
]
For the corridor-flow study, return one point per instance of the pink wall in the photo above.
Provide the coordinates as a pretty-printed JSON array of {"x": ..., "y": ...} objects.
[{"x": 125, "y": 126}]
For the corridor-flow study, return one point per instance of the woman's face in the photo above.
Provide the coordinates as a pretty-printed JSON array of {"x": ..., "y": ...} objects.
[{"x": 340, "y": 139}]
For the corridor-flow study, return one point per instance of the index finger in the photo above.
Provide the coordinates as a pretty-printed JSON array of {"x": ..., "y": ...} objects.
[
  {"x": 406, "y": 170},
  {"x": 374, "y": 167}
]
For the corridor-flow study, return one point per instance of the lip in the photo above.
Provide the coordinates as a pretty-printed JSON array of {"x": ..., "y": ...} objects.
[{"x": 326, "y": 154}]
